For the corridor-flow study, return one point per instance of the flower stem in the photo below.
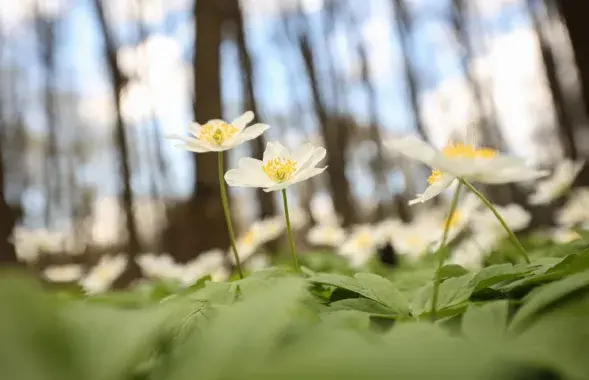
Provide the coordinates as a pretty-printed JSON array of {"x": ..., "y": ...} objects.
[
  {"x": 225, "y": 202},
  {"x": 512, "y": 236},
  {"x": 440, "y": 257},
  {"x": 289, "y": 230}
]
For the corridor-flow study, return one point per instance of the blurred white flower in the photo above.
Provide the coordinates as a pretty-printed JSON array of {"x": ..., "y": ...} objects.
[
  {"x": 259, "y": 233},
  {"x": 564, "y": 235},
  {"x": 516, "y": 216},
  {"x": 298, "y": 217},
  {"x": 101, "y": 277},
  {"x": 360, "y": 246},
  {"x": 161, "y": 267},
  {"x": 279, "y": 168},
  {"x": 217, "y": 135},
  {"x": 63, "y": 273},
  {"x": 323, "y": 211},
  {"x": 460, "y": 219},
  {"x": 258, "y": 262},
  {"x": 414, "y": 240},
  {"x": 576, "y": 209},
  {"x": 466, "y": 161},
  {"x": 555, "y": 186},
  {"x": 468, "y": 255},
  {"x": 326, "y": 235},
  {"x": 386, "y": 229},
  {"x": 210, "y": 262}
]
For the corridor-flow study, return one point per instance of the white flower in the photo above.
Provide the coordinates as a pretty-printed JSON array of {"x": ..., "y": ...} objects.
[
  {"x": 31, "y": 243},
  {"x": 360, "y": 246},
  {"x": 460, "y": 218},
  {"x": 564, "y": 235},
  {"x": 211, "y": 262},
  {"x": 101, "y": 277},
  {"x": 468, "y": 255},
  {"x": 278, "y": 169},
  {"x": 63, "y": 273},
  {"x": 217, "y": 135},
  {"x": 561, "y": 180},
  {"x": 466, "y": 161},
  {"x": 326, "y": 235},
  {"x": 415, "y": 239},
  {"x": 576, "y": 209},
  {"x": 517, "y": 219},
  {"x": 323, "y": 211},
  {"x": 386, "y": 229},
  {"x": 258, "y": 262},
  {"x": 259, "y": 233},
  {"x": 298, "y": 217},
  {"x": 162, "y": 267}
]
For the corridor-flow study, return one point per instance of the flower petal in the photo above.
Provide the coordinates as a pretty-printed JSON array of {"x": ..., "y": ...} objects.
[
  {"x": 194, "y": 129},
  {"x": 318, "y": 155},
  {"x": 302, "y": 155},
  {"x": 415, "y": 148},
  {"x": 249, "y": 173},
  {"x": 247, "y": 134},
  {"x": 275, "y": 149},
  {"x": 434, "y": 190},
  {"x": 301, "y": 176},
  {"x": 192, "y": 144},
  {"x": 243, "y": 120}
]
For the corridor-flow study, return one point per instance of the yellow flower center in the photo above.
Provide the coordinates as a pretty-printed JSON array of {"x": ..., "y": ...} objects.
[
  {"x": 460, "y": 150},
  {"x": 414, "y": 240},
  {"x": 364, "y": 240},
  {"x": 249, "y": 238},
  {"x": 454, "y": 219},
  {"x": 103, "y": 273},
  {"x": 217, "y": 132},
  {"x": 280, "y": 169},
  {"x": 436, "y": 176}
]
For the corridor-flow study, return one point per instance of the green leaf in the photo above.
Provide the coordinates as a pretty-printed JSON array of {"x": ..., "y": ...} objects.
[
  {"x": 574, "y": 263},
  {"x": 495, "y": 274},
  {"x": 486, "y": 323},
  {"x": 370, "y": 286},
  {"x": 346, "y": 319},
  {"x": 453, "y": 295},
  {"x": 363, "y": 305},
  {"x": 219, "y": 293},
  {"x": 547, "y": 295},
  {"x": 452, "y": 270}
]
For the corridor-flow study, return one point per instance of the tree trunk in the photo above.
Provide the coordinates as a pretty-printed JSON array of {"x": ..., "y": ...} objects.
[
  {"x": 565, "y": 125},
  {"x": 119, "y": 81},
  {"x": 265, "y": 201},
  {"x": 403, "y": 22},
  {"x": 336, "y": 138}
]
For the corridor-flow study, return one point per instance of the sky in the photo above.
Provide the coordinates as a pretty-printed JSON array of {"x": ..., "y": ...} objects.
[{"x": 508, "y": 61}]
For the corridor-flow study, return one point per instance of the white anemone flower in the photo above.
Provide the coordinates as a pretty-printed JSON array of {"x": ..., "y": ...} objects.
[
  {"x": 516, "y": 216},
  {"x": 326, "y": 235},
  {"x": 259, "y": 233},
  {"x": 279, "y": 168},
  {"x": 460, "y": 218},
  {"x": 161, "y": 267},
  {"x": 467, "y": 254},
  {"x": 101, "y": 277},
  {"x": 564, "y": 235},
  {"x": 211, "y": 262},
  {"x": 257, "y": 263},
  {"x": 576, "y": 209},
  {"x": 414, "y": 240},
  {"x": 63, "y": 273},
  {"x": 360, "y": 246},
  {"x": 556, "y": 185},
  {"x": 460, "y": 160},
  {"x": 217, "y": 135}
]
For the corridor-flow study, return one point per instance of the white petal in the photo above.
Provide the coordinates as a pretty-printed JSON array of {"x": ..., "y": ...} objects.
[
  {"x": 192, "y": 144},
  {"x": 243, "y": 120},
  {"x": 248, "y": 174},
  {"x": 302, "y": 155},
  {"x": 509, "y": 175},
  {"x": 301, "y": 176},
  {"x": 434, "y": 190},
  {"x": 318, "y": 155},
  {"x": 274, "y": 150},
  {"x": 414, "y": 148},
  {"x": 194, "y": 129},
  {"x": 247, "y": 134}
]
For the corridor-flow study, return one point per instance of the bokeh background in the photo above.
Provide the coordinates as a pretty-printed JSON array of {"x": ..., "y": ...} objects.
[{"x": 89, "y": 88}]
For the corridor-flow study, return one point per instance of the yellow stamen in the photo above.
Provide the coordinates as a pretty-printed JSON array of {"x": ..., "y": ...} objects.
[
  {"x": 454, "y": 219},
  {"x": 248, "y": 239},
  {"x": 436, "y": 176},
  {"x": 364, "y": 240},
  {"x": 280, "y": 169},
  {"x": 414, "y": 241},
  {"x": 460, "y": 150},
  {"x": 217, "y": 132}
]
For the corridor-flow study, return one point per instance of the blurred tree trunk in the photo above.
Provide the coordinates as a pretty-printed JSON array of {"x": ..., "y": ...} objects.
[
  {"x": 207, "y": 211},
  {"x": 52, "y": 167},
  {"x": 565, "y": 124},
  {"x": 119, "y": 81},
  {"x": 336, "y": 137},
  {"x": 574, "y": 14},
  {"x": 7, "y": 219},
  {"x": 403, "y": 22},
  {"x": 265, "y": 201}
]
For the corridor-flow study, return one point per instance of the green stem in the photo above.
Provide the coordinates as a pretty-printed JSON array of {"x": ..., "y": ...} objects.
[
  {"x": 225, "y": 202},
  {"x": 289, "y": 230},
  {"x": 512, "y": 236},
  {"x": 440, "y": 257}
]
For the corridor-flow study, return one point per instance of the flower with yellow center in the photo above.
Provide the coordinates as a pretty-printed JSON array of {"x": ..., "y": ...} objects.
[
  {"x": 101, "y": 277},
  {"x": 556, "y": 185},
  {"x": 360, "y": 246},
  {"x": 326, "y": 235},
  {"x": 454, "y": 220},
  {"x": 259, "y": 233},
  {"x": 279, "y": 168},
  {"x": 217, "y": 135},
  {"x": 462, "y": 160}
]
